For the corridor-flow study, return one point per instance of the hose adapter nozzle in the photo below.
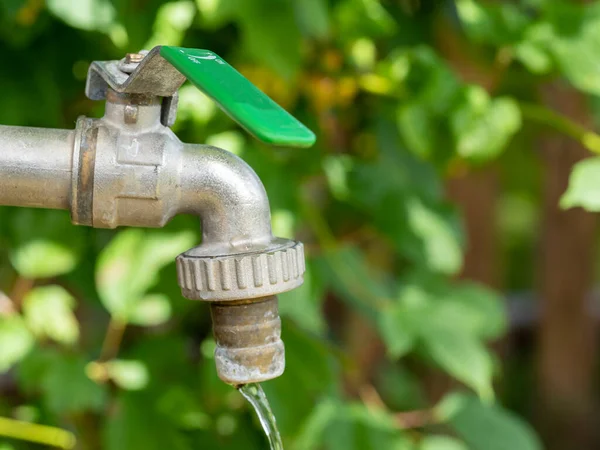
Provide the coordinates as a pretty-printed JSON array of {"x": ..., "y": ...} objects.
[
  {"x": 248, "y": 335},
  {"x": 242, "y": 290}
]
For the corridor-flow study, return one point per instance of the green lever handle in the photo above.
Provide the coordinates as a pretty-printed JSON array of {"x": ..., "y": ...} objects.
[{"x": 238, "y": 97}]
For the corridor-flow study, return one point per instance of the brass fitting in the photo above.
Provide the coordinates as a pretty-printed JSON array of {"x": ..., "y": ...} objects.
[{"x": 248, "y": 336}]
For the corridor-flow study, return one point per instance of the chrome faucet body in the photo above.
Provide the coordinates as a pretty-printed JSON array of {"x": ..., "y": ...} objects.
[{"x": 129, "y": 169}]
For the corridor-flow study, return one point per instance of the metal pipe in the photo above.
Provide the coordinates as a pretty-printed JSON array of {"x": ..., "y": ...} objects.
[{"x": 35, "y": 167}]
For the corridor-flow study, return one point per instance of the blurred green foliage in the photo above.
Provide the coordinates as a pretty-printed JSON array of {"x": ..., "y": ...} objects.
[{"x": 393, "y": 120}]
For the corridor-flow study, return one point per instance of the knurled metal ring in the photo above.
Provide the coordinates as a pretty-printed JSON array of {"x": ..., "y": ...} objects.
[{"x": 243, "y": 276}]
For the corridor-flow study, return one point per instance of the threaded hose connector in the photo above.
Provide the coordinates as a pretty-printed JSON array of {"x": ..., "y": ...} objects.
[
  {"x": 248, "y": 336},
  {"x": 241, "y": 289}
]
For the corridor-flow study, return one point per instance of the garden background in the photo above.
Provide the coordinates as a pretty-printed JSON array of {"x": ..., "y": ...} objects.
[{"x": 449, "y": 302}]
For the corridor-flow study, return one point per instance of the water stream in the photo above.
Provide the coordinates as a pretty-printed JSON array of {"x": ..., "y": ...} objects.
[{"x": 254, "y": 393}]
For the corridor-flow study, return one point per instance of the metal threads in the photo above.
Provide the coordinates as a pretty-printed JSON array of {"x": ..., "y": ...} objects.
[{"x": 248, "y": 336}]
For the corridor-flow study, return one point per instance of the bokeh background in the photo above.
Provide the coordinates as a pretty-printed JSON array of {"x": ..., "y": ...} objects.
[{"x": 449, "y": 302}]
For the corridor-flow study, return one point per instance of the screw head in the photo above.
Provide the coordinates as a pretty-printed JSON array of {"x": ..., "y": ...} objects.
[
  {"x": 131, "y": 61},
  {"x": 134, "y": 58}
]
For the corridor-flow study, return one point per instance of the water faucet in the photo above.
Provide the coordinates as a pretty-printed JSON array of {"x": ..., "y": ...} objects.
[{"x": 129, "y": 169}]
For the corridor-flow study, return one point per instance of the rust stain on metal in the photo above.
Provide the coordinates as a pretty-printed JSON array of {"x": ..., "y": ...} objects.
[
  {"x": 85, "y": 180},
  {"x": 248, "y": 336}
]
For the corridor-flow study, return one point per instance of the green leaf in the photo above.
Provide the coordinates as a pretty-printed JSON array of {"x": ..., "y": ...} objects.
[
  {"x": 15, "y": 341},
  {"x": 182, "y": 405},
  {"x": 271, "y": 35},
  {"x": 337, "y": 169},
  {"x": 312, "y": 430},
  {"x": 573, "y": 40},
  {"x": 497, "y": 24},
  {"x": 450, "y": 322},
  {"x": 363, "y": 18},
  {"x": 402, "y": 197},
  {"x": 483, "y": 127},
  {"x": 334, "y": 425},
  {"x": 441, "y": 246},
  {"x": 417, "y": 127},
  {"x": 48, "y": 312},
  {"x": 172, "y": 21},
  {"x": 130, "y": 264},
  {"x": 462, "y": 356},
  {"x": 151, "y": 310},
  {"x": 350, "y": 276},
  {"x": 136, "y": 423},
  {"x": 400, "y": 387},
  {"x": 402, "y": 322},
  {"x": 45, "y": 243},
  {"x": 313, "y": 17},
  {"x": 89, "y": 15},
  {"x": 441, "y": 443},
  {"x": 356, "y": 427},
  {"x": 584, "y": 186},
  {"x": 535, "y": 57},
  {"x": 129, "y": 375},
  {"x": 474, "y": 309},
  {"x": 233, "y": 141},
  {"x": 396, "y": 331},
  {"x": 216, "y": 13},
  {"x": 431, "y": 81},
  {"x": 43, "y": 259},
  {"x": 484, "y": 426},
  {"x": 64, "y": 384}
]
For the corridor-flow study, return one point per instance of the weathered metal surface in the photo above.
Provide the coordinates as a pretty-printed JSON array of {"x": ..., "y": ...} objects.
[
  {"x": 278, "y": 268},
  {"x": 84, "y": 160},
  {"x": 248, "y": 335},
  {"x": 153, "y": 75},
  {"x": 35, "y": 167},
  {"x": 129, "y": 169}
]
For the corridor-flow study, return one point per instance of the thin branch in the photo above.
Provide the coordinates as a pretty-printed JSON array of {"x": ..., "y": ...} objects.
[
  {"x": 371, "y": 398},
  {"x": 41, "y": 434},
  {"x": 406, "y": 420},
  {"x": 545, "y": 116},
  {"x": 7, "y": 307},
  {"x": 112, "y": 339},
  {"x": 20, "y": 289},
  {"x": 415, "y": 419}
]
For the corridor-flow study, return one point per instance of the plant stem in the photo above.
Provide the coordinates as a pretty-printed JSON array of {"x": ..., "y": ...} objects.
[
  {"x": 562, "y": 123},
  {"x": 41, "y": 434},
  {"x": 20, "y": 289},
  {"x": 112, "y": 339}
]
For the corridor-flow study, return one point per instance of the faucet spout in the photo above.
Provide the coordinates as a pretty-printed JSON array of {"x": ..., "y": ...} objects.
[{"x": 229, "y": 198}]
